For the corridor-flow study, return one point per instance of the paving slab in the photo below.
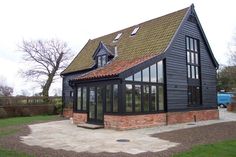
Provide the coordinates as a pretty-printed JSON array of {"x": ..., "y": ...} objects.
[{"x": 64, "y": 135}]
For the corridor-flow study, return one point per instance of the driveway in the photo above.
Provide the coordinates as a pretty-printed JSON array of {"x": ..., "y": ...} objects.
[{"x": 64, "y": 135}]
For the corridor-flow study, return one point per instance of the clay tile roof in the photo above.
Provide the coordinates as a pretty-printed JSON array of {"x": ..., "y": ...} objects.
[
  {"x": 113, "y": 69},
  {"x": 152, "y": 38}
]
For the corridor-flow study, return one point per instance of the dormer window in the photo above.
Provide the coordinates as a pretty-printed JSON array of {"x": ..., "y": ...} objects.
[
  {"x": 135, "y": 31},
  {"x": 101, "y": 60},
  {"x": 117, "y": 37}
]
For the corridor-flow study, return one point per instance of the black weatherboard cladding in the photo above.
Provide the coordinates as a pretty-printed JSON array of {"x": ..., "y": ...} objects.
[{"x": 176, "y": 70}]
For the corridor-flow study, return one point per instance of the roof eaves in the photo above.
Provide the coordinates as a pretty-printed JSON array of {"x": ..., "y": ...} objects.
[{"x": 65, "y": 70}]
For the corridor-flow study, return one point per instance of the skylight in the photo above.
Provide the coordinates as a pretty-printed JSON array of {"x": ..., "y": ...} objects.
[
  {"x": 118, "y": 36},
  {"x": 135, "y": 31}
]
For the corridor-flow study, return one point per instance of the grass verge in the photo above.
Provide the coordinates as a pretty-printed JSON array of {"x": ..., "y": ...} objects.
[
  {"x": 9, "y": 126},
  {"x": 11, "y": 153},
  {"x": 25, "y": 120},
  {"x": 221, "y": 149}
]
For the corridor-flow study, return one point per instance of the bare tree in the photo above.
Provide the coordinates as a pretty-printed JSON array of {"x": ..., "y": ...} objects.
[
  {"x": 232, "y": 51},
  {"x": 5, "y": 90},
  {"x": 45, "y": 60}
]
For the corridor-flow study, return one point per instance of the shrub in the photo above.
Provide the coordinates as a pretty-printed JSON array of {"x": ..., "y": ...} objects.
[
  {"x": 58, "y": 108},
  {"x": 51, "y": 109},
  {"x": 3, "y": 113}
]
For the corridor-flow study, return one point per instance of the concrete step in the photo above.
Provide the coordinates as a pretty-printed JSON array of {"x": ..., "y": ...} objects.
[{"x": 90, "y": 126}]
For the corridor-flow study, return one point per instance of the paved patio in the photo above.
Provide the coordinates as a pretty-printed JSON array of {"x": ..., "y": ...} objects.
[{"x": 64, "y": 135}]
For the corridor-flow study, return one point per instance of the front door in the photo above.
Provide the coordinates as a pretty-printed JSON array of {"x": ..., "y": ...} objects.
[{"x": 95, "y": 114}]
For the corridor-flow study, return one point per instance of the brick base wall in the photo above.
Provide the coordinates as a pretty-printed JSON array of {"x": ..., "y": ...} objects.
[
  {"x": 125, "y": 122},
  {"x": 190, "y": 116},
  {"x": 79, "y": 118},
  {"x": 68, "y": 112}
]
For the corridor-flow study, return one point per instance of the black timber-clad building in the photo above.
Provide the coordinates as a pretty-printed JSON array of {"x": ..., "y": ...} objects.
[{"x": 156, "y": 72}]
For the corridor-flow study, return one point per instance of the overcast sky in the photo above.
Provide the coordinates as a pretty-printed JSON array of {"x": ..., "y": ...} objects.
[{"x": 76, "y": 21}]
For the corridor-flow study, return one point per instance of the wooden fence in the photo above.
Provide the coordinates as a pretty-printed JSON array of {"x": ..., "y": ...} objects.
[{"x": 6, "y": 101}]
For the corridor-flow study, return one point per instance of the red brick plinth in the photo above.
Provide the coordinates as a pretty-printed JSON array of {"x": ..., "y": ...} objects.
[
  {"x": 68, "y": 112},
  {"x": 191, "y": 116},
  {"x": 79, "y": 118},
  {"x": 124, "y": 122}
]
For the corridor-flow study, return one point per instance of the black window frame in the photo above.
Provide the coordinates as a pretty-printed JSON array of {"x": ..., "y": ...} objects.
[
  {"x": 111, "y": 109},
  {"x": 192, "y": 53},
  {"x": 193, "y": 82},
  {"x": 100, "y": 58},
  {"x": 150, "y": 84},
  {"x": 82, "y": 108}
]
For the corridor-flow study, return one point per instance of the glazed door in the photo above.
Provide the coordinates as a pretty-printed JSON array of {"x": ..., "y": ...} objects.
[{"x": 95, "y": 114}]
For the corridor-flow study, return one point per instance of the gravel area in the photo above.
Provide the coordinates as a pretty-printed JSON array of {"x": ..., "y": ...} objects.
[
  {"x": 198, "y": 135},
  {"x": 186, "y": 137}
]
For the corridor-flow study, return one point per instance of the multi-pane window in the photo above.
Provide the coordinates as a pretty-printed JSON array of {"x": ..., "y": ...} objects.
[
  {"x": 111, "y": 94},
  {"x": 144, "y": 90},
  {"x": 81, "y": 98},
  {"x": 108, "y": 98},
  {"x": 194, "y": 95},
  {"x": 137, "y": 94},
  {"x": 192, "y": 58},
  {"x": 115, "y": 98},
  {"x": 146, "y": 98},
  {"x": 193, "y": 67},
  {"x": 102, "y": 60},
  {"x": 95, "y": 95},
  {"x": 128, "y": 98}
]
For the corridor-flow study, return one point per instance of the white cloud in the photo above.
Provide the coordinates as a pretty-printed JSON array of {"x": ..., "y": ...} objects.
[{"x": 76, "y": 21}]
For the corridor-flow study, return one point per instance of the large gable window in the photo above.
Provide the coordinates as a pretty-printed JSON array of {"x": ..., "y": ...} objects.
[
  {"x": 192, "y": 58},
  {"x": 193, "y": 66},
  {"x": 144, "y": 90}
]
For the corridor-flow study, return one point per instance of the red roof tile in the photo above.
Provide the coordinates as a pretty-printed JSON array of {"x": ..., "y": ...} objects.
[{"x": 113, "y": 69}]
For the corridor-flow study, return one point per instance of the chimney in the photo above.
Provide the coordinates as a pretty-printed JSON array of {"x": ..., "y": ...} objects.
[{"x": 116, "y": 52}]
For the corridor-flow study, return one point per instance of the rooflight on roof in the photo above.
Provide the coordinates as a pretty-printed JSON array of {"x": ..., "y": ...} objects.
[
  {"x": 135, "y": 31},
  {"x": 118, "y": 36}
]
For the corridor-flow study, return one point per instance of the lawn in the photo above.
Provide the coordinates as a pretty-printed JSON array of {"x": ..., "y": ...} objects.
[
  {"x": 221, "y": 149},
  {"x": 11, "y": 153},
  {"x": 25, "y": 120},
  {"x": 9, "y": 127}
]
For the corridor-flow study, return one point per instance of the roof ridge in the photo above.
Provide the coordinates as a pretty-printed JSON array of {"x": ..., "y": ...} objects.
[{"x": 140, "y": 23}]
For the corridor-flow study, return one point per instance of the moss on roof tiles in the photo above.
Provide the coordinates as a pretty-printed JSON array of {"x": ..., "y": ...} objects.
[{"x": 152, "y": 38}]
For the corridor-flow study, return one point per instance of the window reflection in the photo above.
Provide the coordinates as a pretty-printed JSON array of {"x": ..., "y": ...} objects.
[
  {"x": 153, "y": 70},
  {"x": 153, "y": 98},
  {"x": 79, "y": 98},
  {"x": 161, "y": 98},
  {"x": 128, "y": 98},
  {"x": 146, "y": 98},
  {"x": 115, "y": 98},
  {"x": 137, "y": 92},
  {"x": 160, "y": 72},
  {"x": 137, "y": 76},
  {"x": 146, "y": 75},
  {"x": 84, "y": 98},
  {"x": 108, "y": 98}
]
